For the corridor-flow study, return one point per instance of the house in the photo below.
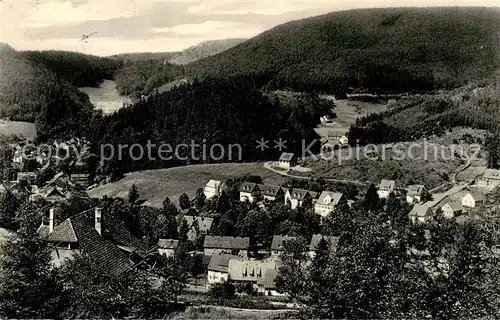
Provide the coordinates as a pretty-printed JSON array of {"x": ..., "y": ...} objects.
[
  {"x": 327, "y": 202},
  {"x": 415, "y": 193},
  {"x": 287, "y": 160},
  {"x": 385, "y": 188},
  {"x": 270, "y": 192},
  {"x": 452, "y": 209},
  {"x": 104, "y": 239},
  {"x": 29, "y": 176},
  {"x": 343, "y": 140},
  {"x": 49, "y": 193},
  {"x": 81, "y": 179},
  {"x": 18, "y": 156},
  {"x": 267, "y": 286},
  {"x": 230, "y": 245},
  {"x": 249, "y": 271},
  {"x": 197, "y": 226},
  {"x": 491, "y": 178},
  {"x": 332, "y": 242},
  {"x": 472, "y": 199},
  {"x": 277, "y": 244},
  {"x": 214, "y": 188},
  {"x": 167, "y": 247},
  {"x": 249, "y": 192},
  {"x": 218, "y": 268},
  {"x": 420, "y": 213},
  {"x": 296, "y": 197}
]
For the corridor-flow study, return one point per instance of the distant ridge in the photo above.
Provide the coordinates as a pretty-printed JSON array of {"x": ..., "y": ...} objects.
[{"x": 203, "y": 50}]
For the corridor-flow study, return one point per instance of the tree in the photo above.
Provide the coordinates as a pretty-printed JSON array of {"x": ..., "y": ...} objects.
[
  {"x": 29, "y": 287},
  {"x": 200, "y": 199},
  {"x": 184, "y": 201},
  {"x": 183, "y": 231},
  {"x": 8, "y": 207},
  {"x": 173, "y": 273},
  {"x": 169, "y": 208},
  {"x": 196, "y": 265},
  {"x": 133, "y": 194},
  {"x": 222, "y": 290},
  {"x": 292, "y": 278}
]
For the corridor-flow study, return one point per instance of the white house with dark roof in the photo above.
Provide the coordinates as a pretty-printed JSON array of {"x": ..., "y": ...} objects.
[
  {"x": 214, "y": 188},
  {"x": 296, "y": 197},
  {"x": 385, "y": 188},
  {"x": 451, "y": 209},
  {"x": 420, "y": 213},
  {"x": 270, "y": 192},
  {"x": 332, "y": 243},
  {"x": 167, "y": 247},
  {"x": 218, "y": 268},
  {"x": 287, "y": 160},
  {"x": 249, "y": 192},
  {"x": 229, "y": 245},
  {"x": 415, "y": 193},
  {"x": 472, "y": 199},
  {"x": 326, "y": 202}
]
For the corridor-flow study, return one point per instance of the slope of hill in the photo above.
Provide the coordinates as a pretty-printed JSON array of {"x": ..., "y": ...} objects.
[
  {"x": 144, "y": 56},
  {"x": 29, "y": 91},
  {"x": 155, "y": 185},
  {"x": 203, "y": 50},
  {"x": 398, "y": 50}
]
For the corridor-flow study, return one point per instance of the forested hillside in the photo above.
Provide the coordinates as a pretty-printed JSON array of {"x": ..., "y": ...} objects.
[
  {"x": 476, "y": 105},
  {"x": 31, "y": 92},
  {"x": 203, "y": 50},
  {"x": 211, "y": 112},
  {"x": 381, "y": 50},
  {"x": 80, "y": 70}
]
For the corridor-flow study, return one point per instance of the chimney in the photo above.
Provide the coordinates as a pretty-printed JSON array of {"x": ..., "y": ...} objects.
[
  {"x": 51, "y": 220},
  {"x": 98, "y": 218}
]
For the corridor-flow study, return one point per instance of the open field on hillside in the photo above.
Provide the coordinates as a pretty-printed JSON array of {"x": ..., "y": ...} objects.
[
  {"x": 106, "y": 97},
  {"x": 347, "y": 112},
  {"x": 155, "y": 185},
  {"x": 26, "y": 129}
]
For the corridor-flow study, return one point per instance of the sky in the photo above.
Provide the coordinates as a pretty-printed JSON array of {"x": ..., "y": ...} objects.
[{"x": 120, "y": 26}]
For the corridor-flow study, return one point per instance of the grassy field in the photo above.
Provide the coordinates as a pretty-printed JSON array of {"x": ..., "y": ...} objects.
[
  {"x": 155, "y": 185},
  {"x": 213, "y": 312},
  {"x": 347, "y": 112},
  {"x": 26, "y": 129},
  {"x": 106, "y": 97}
]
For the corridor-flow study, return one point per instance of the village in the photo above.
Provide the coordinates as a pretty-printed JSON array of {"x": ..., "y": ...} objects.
[{"x": 225, "y": 258}]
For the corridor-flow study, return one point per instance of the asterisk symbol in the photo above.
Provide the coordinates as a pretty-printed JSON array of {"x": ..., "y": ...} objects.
[
  {"x": 280, "y": 144},
  {"x": 262, "y": 144}
]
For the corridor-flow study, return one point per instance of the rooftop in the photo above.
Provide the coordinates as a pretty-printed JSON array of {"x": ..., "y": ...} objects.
[
  {"x": 277, "y": 244},
  {"x": 285, "y": 156},
  {"x": 236, "y": 243}
]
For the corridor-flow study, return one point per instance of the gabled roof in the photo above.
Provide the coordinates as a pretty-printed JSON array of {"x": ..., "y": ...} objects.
[
  {"x": 216, "y": 184},
  {"x": 415, "y": 190},
  {"x": 220, "y": 262},
  {"x": 168, "y": 243},
  {"x": 332, "y": 197},
  {"x": 248, "y": 187},
  {"x": 420, "y": 210},
  {"x": 477, "y": 196},
  {"x": 269, "y": 190},
  {"x": 455, "y": 205},
  {"x": 64, "y": 232},
  {"x": 236, "y": 243},
  {"x": 285, "y": 156},
  {"x": 80, "y": 229},
  {"x": 300, "y": 194},
  {"x": 249, "y": 270},
  {"x": 333, "y": 241},
  {"x": 277, "y": 244},
  {"x": 387, "y": 184},
  {"x": 492, "y": 174}
]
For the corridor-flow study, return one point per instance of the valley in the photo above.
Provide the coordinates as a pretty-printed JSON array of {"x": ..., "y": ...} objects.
[{"x": 106, "y": 97}]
